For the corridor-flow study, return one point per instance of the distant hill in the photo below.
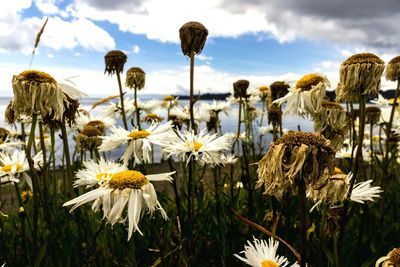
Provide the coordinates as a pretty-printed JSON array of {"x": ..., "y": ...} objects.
[{"x": 331, "y": 94}]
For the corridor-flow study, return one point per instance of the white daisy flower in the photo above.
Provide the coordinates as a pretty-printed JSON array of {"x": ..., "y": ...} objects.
[
  {"x": 16, "y": 164},
  {"x": 263, "y": 254},
  {"x": 306, "y": 97},
  {"x": 130, "y": 189},
  {"x": 114, "y": 109},
  {"x": 139, "y": 141},
  {"x": 7, "y": 145},
  {"x": 207, "y": 148},
  {"x": 97, "y": 172},
  {"x": 217, "y": 106},
  {"x": 169, "y": 101},
  {"x": 363, "y": 192},
  {"x": 183, "y": 114}
]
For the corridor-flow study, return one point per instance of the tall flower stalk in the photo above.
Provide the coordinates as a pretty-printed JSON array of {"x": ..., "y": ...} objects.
[
  {"x": 135, "y": 79},
  {"x": 115, "y": 61}
]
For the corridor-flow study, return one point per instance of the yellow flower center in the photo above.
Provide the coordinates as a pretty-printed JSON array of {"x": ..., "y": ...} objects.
[
  {"x": 138, "y": 134},
  {"x": 128, "y": 179},
  {"x": 7, "y": 168},
  {"x": 102, "y": 176},
  {"x": 197, "y": 146},
  {"x": 169, "y": 98},
  {"x": 268, "y": 263},
  {"x": 337, "y": 171},
  {"x": 263, "y": 88}
]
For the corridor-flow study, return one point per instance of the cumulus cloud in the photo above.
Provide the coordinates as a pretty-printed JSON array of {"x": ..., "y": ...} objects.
[
  {"x": 366, "y": 23},
  {"x": 18, "y": 33}
]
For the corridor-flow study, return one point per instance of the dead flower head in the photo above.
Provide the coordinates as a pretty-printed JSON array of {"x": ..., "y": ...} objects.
[
  {"x": 9, "y": 114},
  {"x": 373, "y": 114},
  {"x": 392, "y": 259},
  {"x": 360, "y": 74},
  {"x": 88, "y": 138},
  {"x": 393, "y": 69},
  {"x": 240, "y": 88},
  {"x": 4, "y": 133},
  {"x": 193, "y": 36},
  {"x": 297, "y": 155},
  {"x": 36, "y": 92},
  {"x": 114, "y": 61},
  {"x": 135, "y": 78},
  {"x": 274, "y": 114},
  {"x": 279, "y": 89}
]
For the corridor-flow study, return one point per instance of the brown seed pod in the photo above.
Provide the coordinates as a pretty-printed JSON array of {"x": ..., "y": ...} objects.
[
  {"x": 193, "y": 36},
  {"x": 135, "y": 78},
  {"x": 373, "y": 114},
  {"x": 115, "y": 61},
  {"x": 279, "y": 89},
  {"x": 240, "y": 88},
  {"x": 393, "y": 69}
]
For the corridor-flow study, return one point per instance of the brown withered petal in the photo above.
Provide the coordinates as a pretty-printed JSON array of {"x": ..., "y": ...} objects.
[
  {"x": 114, "y": 62},
  {"x": 392, "y": 259},
  {"x": 295, "y": 156},
  {"x": 393, "y": 69},
  {"x": 193, "y": 36},
  {"x": 360, "y": 75},
  {"x": 36, "y": 92},
  {"x": 135, "y": 78}
]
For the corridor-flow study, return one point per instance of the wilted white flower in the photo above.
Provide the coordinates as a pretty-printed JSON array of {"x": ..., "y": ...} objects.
[
  {"x": 217, "y": 106},
  {"x": 126, "y": 188}
]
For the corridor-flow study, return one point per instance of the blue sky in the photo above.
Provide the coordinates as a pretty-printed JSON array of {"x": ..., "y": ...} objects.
[{"x": 262, "y": 41}]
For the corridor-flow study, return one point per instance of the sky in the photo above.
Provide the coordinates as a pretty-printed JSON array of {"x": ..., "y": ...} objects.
[{"x": 261, "y": 41}]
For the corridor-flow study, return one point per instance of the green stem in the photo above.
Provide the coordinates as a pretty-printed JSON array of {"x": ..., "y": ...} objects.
[
  {"x": 191, "y": 100},
  {"x": 303, "y": 222},
  {"x": 67, "y": 156},
  {"x": 121, "y": 97},
  {"x": 137, "y": 111}
]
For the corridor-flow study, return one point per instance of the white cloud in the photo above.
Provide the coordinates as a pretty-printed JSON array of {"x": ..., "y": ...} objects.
[
  {"x": 18, "y": 34},
  {"x": 202, "y": 57},
  {"x": 50, "y": 55},
  {"x": 136, "y": 49},
  {"x": 47, "y": 6}
]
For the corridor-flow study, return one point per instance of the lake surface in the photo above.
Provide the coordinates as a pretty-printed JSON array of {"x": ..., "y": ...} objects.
[{"x": 228, "y": 123}]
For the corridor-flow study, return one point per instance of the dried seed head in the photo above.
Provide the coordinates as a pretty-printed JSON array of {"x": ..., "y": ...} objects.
[
  {"x": 71, "y": 107},
  {"x": 394, "y": 257},
  {"x": 193, "y": 36},
  {"x": 393, "y": 69},
  {"x": 115, "y": 61},
  {"x": 279, "y": 89},
  {"x": 298, "y": 138},
  {"x": 240, "y": 88},
  {"x": 135, "y": 78},
  {"x": 151, "y": 117},
  {"x": 10, "y": 114},
  {"x": 36, "y": 92},
  {"x": 373, "y": 114},
  {"x": 4, "y": 133},
  {"x": 212, "y": 123},
  {"x": 308, "y": 81},
  {"x": 360, "y": 75},
  {"x": 274, "y": 114},
  {"x": 88, "y": 138},
  {"x": 97, "y": 124},
  {"x": 176, "y": 122},
  {"x": 90, "y": 131}
]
